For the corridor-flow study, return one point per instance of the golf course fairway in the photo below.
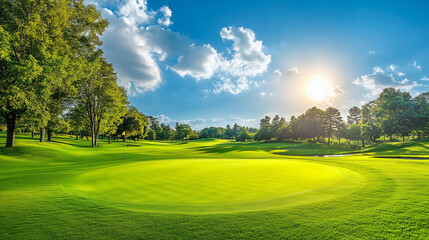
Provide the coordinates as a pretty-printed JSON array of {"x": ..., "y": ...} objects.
[
  {"x": 212, "y": 186},
  {"x": 212, "y": 189}
]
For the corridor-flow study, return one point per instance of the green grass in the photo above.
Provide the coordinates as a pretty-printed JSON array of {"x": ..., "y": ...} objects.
[{"x": 211, "y": 189}]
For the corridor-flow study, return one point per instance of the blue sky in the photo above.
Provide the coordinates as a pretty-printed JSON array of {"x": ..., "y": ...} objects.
[{"x": 212, "y": 63}]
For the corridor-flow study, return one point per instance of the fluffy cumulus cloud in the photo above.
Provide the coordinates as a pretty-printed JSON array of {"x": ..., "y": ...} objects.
[
  {"x": 138, "y": 39},
  {"x": 378, "y": 80},
  {"x": 199, "y": 62},
  {"x": 248, "y": 57}
]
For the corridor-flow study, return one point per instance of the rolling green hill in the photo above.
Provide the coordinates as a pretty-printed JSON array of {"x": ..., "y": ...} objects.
[{"x": 211, "y": 189}]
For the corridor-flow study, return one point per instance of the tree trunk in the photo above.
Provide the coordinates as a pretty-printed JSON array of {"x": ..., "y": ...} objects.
[
  {"x": 403, "y": 138},
  {"x": 363, "y": 143},
  {"x": 339, "y": 141},
  {"x": 49, "y": 134},
  {"x": 93, "y": 140},
  {"x": 329, "y": 139},
  {"x": 77, "y": 136},
  {"x": 42, "y": 134},
  {"x": 81, "y": 135},
  {"x": 125, "y": 138},
  {"x": 110, "y": 137},
  {"x": 390, "y": 137},
  {"x": 11, "y": 125},
  {"x": 86, "y": 137},
  {"x": 32, "y": 133}
]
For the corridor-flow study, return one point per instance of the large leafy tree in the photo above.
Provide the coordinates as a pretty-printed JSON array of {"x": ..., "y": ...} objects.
[
  {"x": 184, "y": 132},
  {"x": 396, "y": 112},
  {"x": 370, "y": 123},
  {"x": 25, "y": 49},
  {"x": 99, "y": 97},
  {"x": 311, "y": 124},
  {"x": 134, "y": 124},
  {"x": 42, "y": 43},
  {"x": 421, "y": 117}
]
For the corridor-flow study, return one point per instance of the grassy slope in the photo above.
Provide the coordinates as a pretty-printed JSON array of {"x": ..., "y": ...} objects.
[{"x": 33, "y": 205}]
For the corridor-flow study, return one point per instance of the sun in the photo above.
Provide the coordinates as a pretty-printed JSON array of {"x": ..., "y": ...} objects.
[{"x": 317, "y": 89}]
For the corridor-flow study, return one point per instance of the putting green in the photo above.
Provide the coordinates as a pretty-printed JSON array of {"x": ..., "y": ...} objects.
[{"x": 213, "y": 186}]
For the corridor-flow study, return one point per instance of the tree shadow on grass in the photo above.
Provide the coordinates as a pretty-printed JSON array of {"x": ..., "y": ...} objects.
[{"x": 241, "y": 147}]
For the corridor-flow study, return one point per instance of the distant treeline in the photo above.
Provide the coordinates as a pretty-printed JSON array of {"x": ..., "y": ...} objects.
[{"x": 393, "y": 113}]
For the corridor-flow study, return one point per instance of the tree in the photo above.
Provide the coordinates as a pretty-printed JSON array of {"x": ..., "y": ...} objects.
[
  {"x": 212, "y": 132},
  {"x": 265, "y": 132},
  {"x": 228, "y": 134},
  {"x": 151, "y": 134},
  {"x": 342, "y": 132},
  {"x": 396, "y": 112},
  {"x": 283, "y": 133},
  {"x": 332, "y": 121},
  {"x": 354, "y": 133},
  {"x": 243, "y": 135},
  {"x": 167, "y": 133},
  {"x": 355, "y": 115},
  {"x": 184, "y": 132},
  {"x": 421, "y": 117},
  {"x": 25, "y": 43},
  {"x": 134, "y": 124},
  {"x": 39, "y": 48},
  {"x": 99, "y": 96},
  {"x": 370, "y": 124},
  {"x": 235, "y": 130},
  {"x": 310, "y": 125}
]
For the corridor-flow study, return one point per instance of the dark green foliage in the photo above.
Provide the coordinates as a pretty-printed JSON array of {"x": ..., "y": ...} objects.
[
  {"x": 134, "y": 124},
  {"x": 333, "y": 120},
  {"x": 212, "y": 132},
  {"x": 243, "y": 135}
]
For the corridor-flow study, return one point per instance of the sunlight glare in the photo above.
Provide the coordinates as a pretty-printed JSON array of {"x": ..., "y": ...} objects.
[{"x": 317, "y": 89}]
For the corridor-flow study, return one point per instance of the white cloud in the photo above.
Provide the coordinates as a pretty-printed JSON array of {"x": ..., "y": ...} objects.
[
  {"x": 197, "y": 62},
  {"x": 424, "y": 78},
  {"x": 137, "y": 40},
  {"x": 248, "y": 57},
  {"x": 416, "y": 66},
  {"x": 166, "y": 14},
  {"x": 294, "y": 70},
  {"x": 126, "y": 47},
  {"x": 278, "y": 72},
  {"x": 401, "y": 74},
  {"x": 392, "y": 67},
  {"x": 134, "y": 64},
  {"x": 378, "y": 80},
  {"x": 231, "y": 86},
  {"x": 371, "y": 52}
]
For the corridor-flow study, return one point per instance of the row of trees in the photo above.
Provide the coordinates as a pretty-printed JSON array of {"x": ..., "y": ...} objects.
[
  {"x": 393, "y": 113},
  {"x": 53, "y": 76}
]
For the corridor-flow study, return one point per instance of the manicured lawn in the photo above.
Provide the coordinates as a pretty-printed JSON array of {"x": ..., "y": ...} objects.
[{"x": 211, "y": 189}]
